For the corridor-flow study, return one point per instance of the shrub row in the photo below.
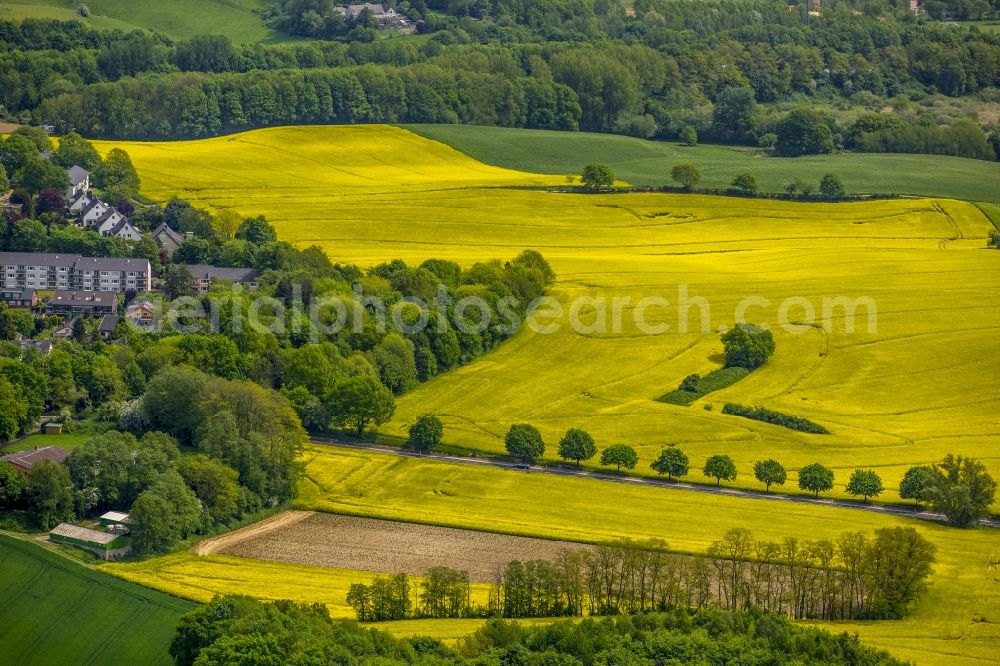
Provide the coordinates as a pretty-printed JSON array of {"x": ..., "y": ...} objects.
[{"x": 775, "y": 418}]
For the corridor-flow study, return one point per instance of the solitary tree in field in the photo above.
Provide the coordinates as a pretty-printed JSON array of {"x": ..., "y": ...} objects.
[
  {"x": 686, "y": 174},
  {"x": 577, "y": 445},
  {"x": 598, "y": 176},
  {"x": 864, "y": 483},
  {"x": 816, "y": 478},
  {"x": 769, "y": 472},
  {"x": 620, "y": 455},
  {"x": 962, "y": 490},
  {"x": 831, "y": 187},
  {"x": 671, "y": 462},
  {"x": 747, "y": 346},
  {"x": 720, "y": 467},
  {"x": 917, "y": 484},
  {"x": 426, "y": 433},
  {"x": 745, "y": 183},
  {"x": 525, "y": 442}
]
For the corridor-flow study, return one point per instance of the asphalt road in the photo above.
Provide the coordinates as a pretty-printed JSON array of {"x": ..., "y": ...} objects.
[{"x": 653, "y": 483}]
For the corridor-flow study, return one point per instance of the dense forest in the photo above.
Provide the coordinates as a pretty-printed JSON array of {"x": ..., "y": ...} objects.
[
  {"x": 729, "y": 70},
  {"x": 246, "y": 631}
]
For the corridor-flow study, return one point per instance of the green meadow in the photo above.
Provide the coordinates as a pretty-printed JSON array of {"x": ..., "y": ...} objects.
[{"x": 648, "y": 163}]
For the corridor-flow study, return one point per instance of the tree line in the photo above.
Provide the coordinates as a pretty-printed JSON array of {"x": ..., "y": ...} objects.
[
  {"x": 855, "y": 576},
  {"x": 661, "y": 72},
  {"x": 959, "y": 488},
  {"x": 245, "y": 630}
]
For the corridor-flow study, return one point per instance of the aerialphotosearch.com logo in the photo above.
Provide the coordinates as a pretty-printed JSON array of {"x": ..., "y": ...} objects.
[{"x": 589, "y": 315}]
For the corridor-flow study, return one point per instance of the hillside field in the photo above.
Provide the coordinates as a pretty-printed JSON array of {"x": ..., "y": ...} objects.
[
  {"x": 648, "y": 163},
  {"x": 954, "y": 623},
  {"x": 922, "y": 382},
  {"x": 113, "y": 622},
  {"x": 177, "y": 19},
  {"x": 200, "y": 578}
]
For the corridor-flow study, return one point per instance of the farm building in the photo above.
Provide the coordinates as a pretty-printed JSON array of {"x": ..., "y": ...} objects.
[
  {"x": 106, "y": 545},
  {"x": 53, "y": 428},
  {"x": 112, "y": 518},
  {"x": 23, "y": 461}
]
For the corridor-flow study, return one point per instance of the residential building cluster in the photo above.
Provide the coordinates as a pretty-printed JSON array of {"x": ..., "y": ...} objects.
[
  {"x": 91, "y": 212},
  {"x": 387, "y": 17}
]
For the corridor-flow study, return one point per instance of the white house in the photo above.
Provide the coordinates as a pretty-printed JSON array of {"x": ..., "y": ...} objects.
[
  {"x": 92, "y": 212},
  {"x": 79, "y": 180},
  {"x": 124, "y": 229},
  {"x": 78, "y": 202},
  {"x": 106, "y": 222}
]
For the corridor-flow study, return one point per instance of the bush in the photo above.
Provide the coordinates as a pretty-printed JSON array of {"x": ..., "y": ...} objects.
[
  {"x": 696, "y": 386},
  {"x": 689, "y": 135},
  {"x": 775, "y": 418},
  {"x": 686, "y": 174},
  {"x": 831, "y": 187},
  {"x": 745, "y": 183}
]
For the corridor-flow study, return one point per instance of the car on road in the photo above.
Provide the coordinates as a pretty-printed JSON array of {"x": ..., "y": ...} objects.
[{"x": 522, "y": 466}]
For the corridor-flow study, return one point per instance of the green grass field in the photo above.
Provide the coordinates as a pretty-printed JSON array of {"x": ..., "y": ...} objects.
[
  {"x": 55, "y": 611},
  {"x": 66, "y": 441},
  {"x": 648, "y": 163},
  {"x": 177, "y": 19}
]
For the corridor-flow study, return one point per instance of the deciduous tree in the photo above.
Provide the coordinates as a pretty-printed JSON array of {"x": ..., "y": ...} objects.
[
  {"x": 720, "y": 467},
  {"x": 671, "y": 462},
  {"x": 747, "y": 346},
  {"x": 525, "y": 442},
  {"x": 816, "y": 478},
  {"x": 426, "y": 433},
  {"x": 962, "y": 490},
  {"x": 686, "y": 174},
  {"x": 360, "y": 402},
  {"x": 769, "y": 472},
  {"x": 864, "y": 483},
  {"x": 50, "y": 494},
  {"x": 620, "y": 455},
  {"x": 598, "y": 176},
  {"x": 577, "y": 445}
]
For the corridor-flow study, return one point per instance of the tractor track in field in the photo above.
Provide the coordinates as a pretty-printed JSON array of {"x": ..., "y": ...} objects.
[{"x": 642, "y": 481}]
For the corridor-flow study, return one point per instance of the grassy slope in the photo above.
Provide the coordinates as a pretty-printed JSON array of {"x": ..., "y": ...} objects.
[
  {"x": 648, "y": 163},
  {"x": 178, "y": 19},
  {"x": 956, "y": 622},
  {"x": 892, "y": 397},
  {"x": 54, "y": 611}
]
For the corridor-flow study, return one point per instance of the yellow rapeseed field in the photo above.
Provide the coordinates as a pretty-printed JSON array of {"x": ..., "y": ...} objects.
[
  {"x": 955, "y": 622},
  {"x": 924, "y": 383},
  {"x": 189, "y": 576}
]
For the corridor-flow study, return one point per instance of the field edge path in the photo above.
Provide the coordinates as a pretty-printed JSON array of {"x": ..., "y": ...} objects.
[{"x": 223, "y": 541}]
